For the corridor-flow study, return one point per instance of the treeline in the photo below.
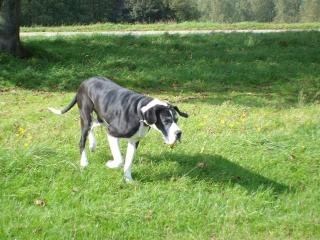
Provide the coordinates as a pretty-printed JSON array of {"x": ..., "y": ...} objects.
[{"x": 66, "y": 12}]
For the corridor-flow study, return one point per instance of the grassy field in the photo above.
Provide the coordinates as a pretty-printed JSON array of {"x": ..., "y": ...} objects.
[
  {"x": 173, "y": 26},
  {"x": 247, "y": 167}
]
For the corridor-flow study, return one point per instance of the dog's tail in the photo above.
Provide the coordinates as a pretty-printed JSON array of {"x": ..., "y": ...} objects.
[{"x": 66, "y": 109}]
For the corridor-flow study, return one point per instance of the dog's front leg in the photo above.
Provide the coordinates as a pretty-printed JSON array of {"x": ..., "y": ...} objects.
[
  {"x": 115, "y": 150},
  {"x": 131, "y": 149}
]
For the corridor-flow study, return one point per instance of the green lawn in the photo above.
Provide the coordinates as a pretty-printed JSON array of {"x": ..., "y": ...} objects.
[
  {"x": 247, "y": 167},
  {"x": 173, "y": 26}
]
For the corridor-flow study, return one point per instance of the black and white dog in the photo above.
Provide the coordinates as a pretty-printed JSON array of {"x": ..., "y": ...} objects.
[{"x": 126, "y": 114}]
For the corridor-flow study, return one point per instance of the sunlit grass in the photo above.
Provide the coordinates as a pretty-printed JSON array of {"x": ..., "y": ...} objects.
[{"x": 172, "y": 26}]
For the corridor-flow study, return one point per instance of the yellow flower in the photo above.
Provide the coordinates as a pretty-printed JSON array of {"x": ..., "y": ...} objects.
[
  {"x": 30, "y": 138},
  {"x": 26, "y": 145},
  {"x": 244, "y": 115},
  {"x": 21, "y": 130}
]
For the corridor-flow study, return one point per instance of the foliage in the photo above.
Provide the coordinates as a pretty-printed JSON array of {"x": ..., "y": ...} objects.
[
  {"x": 224, "y": 11},
  {"x": 288, "y": 10},
  {"x": 247, "y": 167},
  {"x": 183, "y": 10},
  {"x": 145, "y": 10},
  {"x": 310, "y": 11},
  {"x": 262, "y": 10},
  {"x": 62, "y": 12}
]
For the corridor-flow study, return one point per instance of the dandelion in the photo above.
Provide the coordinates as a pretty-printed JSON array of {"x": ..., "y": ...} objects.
[
  {"x": 21, "y": 130},
  {"x": 26, "y": 145},
  {"x": 244, "y": 115},
  {"x": 30, "y": 138}
]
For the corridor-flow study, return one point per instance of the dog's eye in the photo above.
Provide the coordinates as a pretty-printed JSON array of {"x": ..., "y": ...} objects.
[{"x": 167, "y": 121}]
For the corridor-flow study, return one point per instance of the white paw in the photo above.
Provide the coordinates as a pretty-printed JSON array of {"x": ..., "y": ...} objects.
[
  {"x": 128, "y": 179},
  {"x": 84, "y": 164},
  {"x": 114, "y": 164},
  {"x": 84, "y": 160}
]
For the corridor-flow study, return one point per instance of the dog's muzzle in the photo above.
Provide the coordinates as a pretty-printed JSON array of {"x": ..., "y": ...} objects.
[{"x": 178, "y": 135}]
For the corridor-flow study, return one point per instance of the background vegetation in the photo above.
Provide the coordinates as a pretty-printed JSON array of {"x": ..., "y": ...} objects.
[{"x": 62, "y": 12}]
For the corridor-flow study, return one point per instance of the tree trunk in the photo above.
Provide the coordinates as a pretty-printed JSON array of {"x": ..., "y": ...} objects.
[{"x": 10, "y": 28}]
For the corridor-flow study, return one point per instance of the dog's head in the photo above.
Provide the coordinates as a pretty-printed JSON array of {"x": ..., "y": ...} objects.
[{"x": 163, "y": 117}]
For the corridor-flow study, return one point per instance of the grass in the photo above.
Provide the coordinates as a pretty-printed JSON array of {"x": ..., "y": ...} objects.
[
  {"x": 173, "y": 26},
  {"x": 248, "y": 166}
]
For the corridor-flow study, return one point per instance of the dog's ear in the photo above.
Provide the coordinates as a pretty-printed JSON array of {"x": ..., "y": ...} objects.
[
  {"x": 150, "y": 116},
  {"x": 182, "y": 114}
]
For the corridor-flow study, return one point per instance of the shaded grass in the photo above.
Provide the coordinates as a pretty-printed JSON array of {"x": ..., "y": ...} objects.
[
  {"x": 248, "y": 166},
  {"x": 250, "y": 170},
  {"x": 172, "y": 26},
  {"x": 251, "y": 69}
]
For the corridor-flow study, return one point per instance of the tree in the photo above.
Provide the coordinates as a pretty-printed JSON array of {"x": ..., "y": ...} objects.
[
  {"x": 205, "y": 8},
  {"x": 184, "y": 10},
  {"x": 242, "y": 11},
  {"x": 310, "y": 11},
  {"x": 263, "y": 10},
  {"x": 145, "y": 10},
  {"x": 10, "y": 28},
  {"x": 224, "y": 11},
  {"x": 288, "y": 10}
]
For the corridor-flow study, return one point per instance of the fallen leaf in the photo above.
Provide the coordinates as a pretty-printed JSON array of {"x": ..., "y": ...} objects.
[
  {"x": 202, "y": 165},
  {"x": 40, "y": 202}
]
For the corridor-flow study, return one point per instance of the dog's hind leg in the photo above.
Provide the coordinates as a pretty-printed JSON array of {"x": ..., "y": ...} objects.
[
  {"x": 92, "y": 139},
  {"x": 85, "y": 119}
]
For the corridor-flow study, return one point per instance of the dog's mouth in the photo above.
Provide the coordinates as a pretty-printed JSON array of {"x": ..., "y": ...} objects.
[
  {"x": 173, "y": 144},
  {"x": 172, "y": 141}
]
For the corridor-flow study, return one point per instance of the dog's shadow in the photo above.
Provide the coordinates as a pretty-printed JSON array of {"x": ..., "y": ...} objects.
[{"x": 214, "y": 169}]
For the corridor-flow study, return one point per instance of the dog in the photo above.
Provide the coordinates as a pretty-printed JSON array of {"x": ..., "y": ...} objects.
[{"x": 126, "y": 114}]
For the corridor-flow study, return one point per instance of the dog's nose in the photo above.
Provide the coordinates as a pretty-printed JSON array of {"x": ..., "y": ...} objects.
[{"x": 178, "y": 134}]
